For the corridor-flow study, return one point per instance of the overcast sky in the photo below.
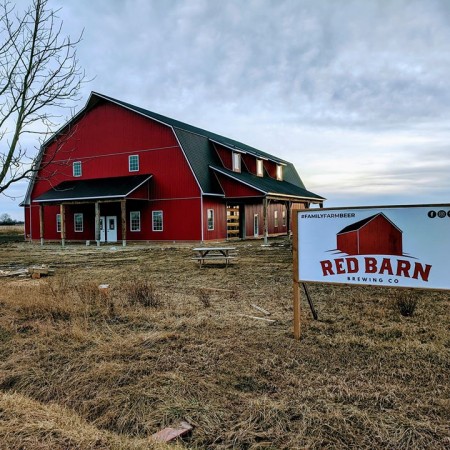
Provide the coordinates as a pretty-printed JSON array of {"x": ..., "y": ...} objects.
[{"x": 355, "y": 93}]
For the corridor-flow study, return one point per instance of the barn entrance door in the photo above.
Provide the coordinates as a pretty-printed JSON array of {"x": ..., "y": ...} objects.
[
  {"x": 108, "y": 229},
  {"x": 232, "y": 221}
]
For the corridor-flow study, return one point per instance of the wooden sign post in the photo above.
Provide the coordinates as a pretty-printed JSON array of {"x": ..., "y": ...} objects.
[{"x": 296, "y": 284}]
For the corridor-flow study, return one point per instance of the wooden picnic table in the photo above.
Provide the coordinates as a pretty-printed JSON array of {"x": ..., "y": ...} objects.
[{"x": 203, "y": 254}]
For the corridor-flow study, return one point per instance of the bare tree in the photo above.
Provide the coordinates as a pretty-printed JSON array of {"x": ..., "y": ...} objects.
[{"x": 39, "y": 75}]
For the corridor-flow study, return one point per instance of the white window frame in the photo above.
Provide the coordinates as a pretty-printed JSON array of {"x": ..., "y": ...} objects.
[
  {"x": 58, "y": 223},
  {"x": 75, "y": 223},
  {"x": 129, "y": 163},
  {"x": 279, "y": 172},
  {"x": 75, "y": 171},
  {"x": 283, "y": 216},
  {"x": 259, "y": 168},
  {"x": 153, "y": 220},
  {"x": 236, "y": 161},
  {"x": 138, "y": 221},
  {"x": 210, "y": 216},
  {"x": 275, "y": 219}
]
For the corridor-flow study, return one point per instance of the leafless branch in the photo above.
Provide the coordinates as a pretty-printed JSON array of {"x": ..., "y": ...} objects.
[{"x": 39, "y": 74}]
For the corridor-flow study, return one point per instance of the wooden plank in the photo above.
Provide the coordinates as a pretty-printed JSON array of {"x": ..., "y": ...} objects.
[
  {"x": 257, "y": 318},
  {"x": 41, "y": 223},
  {"x": 171, "y": 433},
  {"x": 265, "y": 221},
  {"x": 97, "y": 222},
  {"x": 63, "y": 224},
  {"x": 296, "y": 287},
  {"x": 258, "y": 308},
  {"x": 123, "y": 214}
]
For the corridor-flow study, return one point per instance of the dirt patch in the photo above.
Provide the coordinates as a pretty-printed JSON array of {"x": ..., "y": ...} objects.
[{"x": 183, "y": 348}]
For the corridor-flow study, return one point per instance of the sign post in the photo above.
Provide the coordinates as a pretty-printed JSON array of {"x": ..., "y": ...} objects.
[
  {"x": 394, "y": 246},
  {"x": 296, "y": 285}
]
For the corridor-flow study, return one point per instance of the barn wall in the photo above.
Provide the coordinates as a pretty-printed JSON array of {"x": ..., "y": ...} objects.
[
  {"x": 104, "y": 139},
  {"x": 220, "y": 219},
  {"x": 225, "y": 156},
  {"x": 257, "y": 208},
  {"x": 379, "y": 236},
  {"x": 348, "y": 242},
  {"x": 234, "y": 189},
  {"x": 250, "y": 163}
]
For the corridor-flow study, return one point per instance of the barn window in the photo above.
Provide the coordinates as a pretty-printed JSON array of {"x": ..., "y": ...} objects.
[
  {"x": 58, "y": 223},
  {"x": 279, "y": 172},
  {"x": 133, "y": 163},
  {"x": 157, "y": 220},
  {"x": 275, "y": 219},
  {"x": 284, "y": 218},
  {"x": 76, "y": 167},
  {"x": 259, "y": 168},
  {"x": 135, "y": 221},
  {"x": 236, "y": 162},
  {"x": 78, "y": 222},
  {"x": 210, "y": 216}
]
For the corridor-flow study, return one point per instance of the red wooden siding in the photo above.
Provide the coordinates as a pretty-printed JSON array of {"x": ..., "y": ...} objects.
[
  {"x": 225, "y": 156},
  {"x": 348, "y": 242},
  {"x": 377, "y": 237},
  {"x": 257, "y": 208},
  {"x": 220, "y": 219},
  {"x": 250, "y": 163},
  {"x": 104, "y": 138},
  {"x": 235, "y": 189}
]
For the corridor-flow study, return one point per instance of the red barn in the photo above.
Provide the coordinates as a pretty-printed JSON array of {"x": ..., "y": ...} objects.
[
  {"x": 117, "y": 172},
  {"x": 375, "y": 235}
]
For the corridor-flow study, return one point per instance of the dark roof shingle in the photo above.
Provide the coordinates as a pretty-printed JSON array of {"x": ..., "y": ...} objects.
[{"x": 97, "y": 188}]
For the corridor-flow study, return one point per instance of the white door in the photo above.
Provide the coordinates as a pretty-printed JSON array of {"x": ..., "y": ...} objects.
[
  {"x": 256, "y": 225},
  {"x": 111, "y": 229},
  {"x": 102, "y": 229}
]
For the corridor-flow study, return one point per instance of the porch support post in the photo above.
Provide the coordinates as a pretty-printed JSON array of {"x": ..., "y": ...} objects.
[
  {"x": 41, "y": 223},
  {"x": 63, "y": 224},
  {"x": 265, "y": 222},
  {"x": 123, "y": 214},
  {"x": 97, "y": 223}
]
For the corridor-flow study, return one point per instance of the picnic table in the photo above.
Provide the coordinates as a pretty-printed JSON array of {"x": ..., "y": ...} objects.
[{"x": 203, "y": 254}]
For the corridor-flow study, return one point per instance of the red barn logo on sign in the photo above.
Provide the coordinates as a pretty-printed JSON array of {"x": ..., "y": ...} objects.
[{"x": 374, "y": 235}]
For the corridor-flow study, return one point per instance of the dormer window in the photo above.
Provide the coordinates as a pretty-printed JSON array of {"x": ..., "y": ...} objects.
[
  {"x": 236, "y": 162},
  {"x": 279, "y": 172},
  {"x": 76, "y": 169},
  {"x": 259, "y": 168}
]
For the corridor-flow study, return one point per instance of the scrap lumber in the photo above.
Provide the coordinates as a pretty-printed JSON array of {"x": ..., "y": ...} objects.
[
  {"x": 13, "y": 273},
  {"x": 257, "y": 318},
  {"x": 264, "y": 311},
  {"x": 38, "y": 271},
  {"x": 171, "y": 433}
]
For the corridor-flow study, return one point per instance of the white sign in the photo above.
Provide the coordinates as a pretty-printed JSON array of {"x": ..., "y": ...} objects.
[{"x": 407, "y": 246}]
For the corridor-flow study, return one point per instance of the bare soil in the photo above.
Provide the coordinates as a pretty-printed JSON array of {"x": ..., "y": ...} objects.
[{"x": 169, "y": 341}]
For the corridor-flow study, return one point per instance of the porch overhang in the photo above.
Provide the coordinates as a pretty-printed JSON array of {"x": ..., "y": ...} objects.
[{"x": 98, "y": 189}]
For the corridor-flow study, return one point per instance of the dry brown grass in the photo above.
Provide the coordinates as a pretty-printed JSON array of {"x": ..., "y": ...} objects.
[{"x": 118, "y": 369}]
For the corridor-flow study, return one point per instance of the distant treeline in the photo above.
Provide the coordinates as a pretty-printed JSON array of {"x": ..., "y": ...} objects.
[{"x": 5, "y": 219}]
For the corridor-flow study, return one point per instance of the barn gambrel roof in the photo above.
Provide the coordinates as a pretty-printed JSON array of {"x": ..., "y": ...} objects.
[
  {"x": 198, "y": 147},
  {"x": 361, "y": 223}
]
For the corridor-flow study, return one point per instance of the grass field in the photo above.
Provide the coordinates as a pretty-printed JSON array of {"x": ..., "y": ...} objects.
[
  {"x": 11, "y": 233},
  {"x": 80, "y": 369}
]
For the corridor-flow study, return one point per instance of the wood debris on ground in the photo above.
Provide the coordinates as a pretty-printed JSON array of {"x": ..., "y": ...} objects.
[
  {"x": 171, "y": 433},
  {"x": 34, "y": 271}
]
